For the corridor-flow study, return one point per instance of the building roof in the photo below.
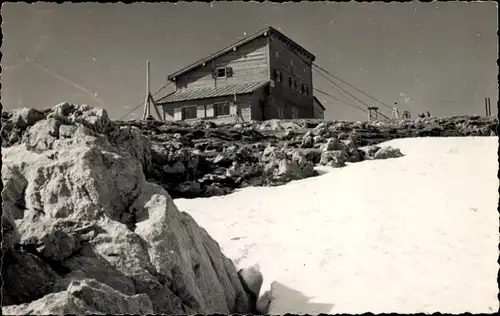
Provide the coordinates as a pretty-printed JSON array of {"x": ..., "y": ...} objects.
[
  {"x": 319, "y": 102},
  {"x": 243, "y": 41},
  {"x": 212, "y": 92}
]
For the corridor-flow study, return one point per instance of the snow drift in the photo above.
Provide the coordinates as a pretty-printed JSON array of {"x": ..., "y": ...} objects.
[{"x": 413, "y": 234}]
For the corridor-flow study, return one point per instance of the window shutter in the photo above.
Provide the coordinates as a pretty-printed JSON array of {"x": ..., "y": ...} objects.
[
  {"x": 200, "y": 111},
  {"x": 229, "y": 72},
  {"x": 210, "y": 110},
  {"x": 233, "y": 108},
  {"x": 178, "y": 114}
]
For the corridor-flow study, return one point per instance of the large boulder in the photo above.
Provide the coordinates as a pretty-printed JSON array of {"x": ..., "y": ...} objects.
[
  {"x": 334, "y": 158},
  {"x": 85, "y": 297},
  {"x": 388, "y": 152},
  {"x": 80, "y": 210},
  {"x": 286, "y": 165}
]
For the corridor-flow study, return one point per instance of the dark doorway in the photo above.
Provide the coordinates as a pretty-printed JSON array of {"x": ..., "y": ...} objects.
[{"x": 261, "y": 107}]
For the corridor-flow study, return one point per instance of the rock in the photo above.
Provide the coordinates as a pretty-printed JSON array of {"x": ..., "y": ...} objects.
[
  {"x": 370, "y": 151},
  {"x": 135, "y": 144},
  {"x": 176, "y": 168},
  {"x": 86, "y": 296},
  {"x": 67, "y": 131},
  {"x": 318, "y": 139},
  {"x": 333, "y": 144},
  {"x": 63, "y": 109},
  {"x": 223, "y": 160},
  {"x": 11, "y": 236},
  {"x": 87, "y": 216},
  {"x": 272, "y": 153},
  {"x": 13, "y": 193},
  {"x": 307, "y": 142},
  {"x": 57, "y": 245},
  {"x": 214, "y": 190},
  {"x": 288, "y": 166},
  {"x": 42, "y": 135},
  {"x": 24, "y": 117},
  {"x": 26, "y": 278},
  {"x": 191, "y": 187},
  {"x": 95, "y": 119},
  {"x": 336, "y": 158},
  {"x": 251, "y": 279},
  {"x": 353, "y": 154},
  {"x": 313, "y": 155},
  {"x": 387, "y": 152}
]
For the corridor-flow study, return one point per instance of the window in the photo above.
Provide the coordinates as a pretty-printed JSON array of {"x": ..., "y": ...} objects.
[
  {"x": 295, "y": 112},
  {"x": 277, "y": 54},
  {"x": 306, "y": 90},
  {"x": 280, "y": 112},
  {"x": 291, "y": 62},
  {"x": 221, "y": 109},
  {"x": 221, "y": 72},
  {"x": 290, "y": 82},
  {"x": 303, "y": 89},
  {"x": 277, "y": 75},
  {"x": 295, "y": 84},
  {"x": 188, "y": 112}
]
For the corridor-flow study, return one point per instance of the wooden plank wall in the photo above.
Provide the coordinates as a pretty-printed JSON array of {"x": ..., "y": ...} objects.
[
  {"x": 283, "y": 58},
  {"x": 319, "y": 113},
  {"x": 205, "y": 108},
  {"x": 249, "y": 64}
]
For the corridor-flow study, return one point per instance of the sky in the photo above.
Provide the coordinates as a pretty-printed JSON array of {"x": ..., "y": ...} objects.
[{"x": 438, "y": 57}]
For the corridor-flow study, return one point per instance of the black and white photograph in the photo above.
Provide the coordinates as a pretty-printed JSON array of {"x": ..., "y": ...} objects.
[{"x": 249, "y": 157}]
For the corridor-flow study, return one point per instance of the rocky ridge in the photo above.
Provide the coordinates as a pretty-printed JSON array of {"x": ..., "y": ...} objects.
[
  {"x": 204, "y": 159},
  {"x": 85, "y": 232}
]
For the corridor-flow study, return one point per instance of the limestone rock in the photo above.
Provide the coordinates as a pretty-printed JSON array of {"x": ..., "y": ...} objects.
[
  {"x": 26, "y": 277},
  {"x": 84, "y": 210},
  {"x": 387, "y": 152},
  {"x": 25, "y": 117},
  {"x": 83, "y": 297},
  {"x": 335, "y": 158},
  {"x": 333, "y": 144}
]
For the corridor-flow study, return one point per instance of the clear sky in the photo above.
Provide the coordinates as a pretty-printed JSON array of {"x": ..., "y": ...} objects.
[{"x": 434, "y": 56}]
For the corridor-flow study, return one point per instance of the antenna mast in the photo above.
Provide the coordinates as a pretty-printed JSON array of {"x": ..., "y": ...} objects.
[{"x": 149, "y": 99}]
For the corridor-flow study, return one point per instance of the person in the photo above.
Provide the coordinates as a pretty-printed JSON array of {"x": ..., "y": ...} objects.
[{"x": 428, "y": 114}]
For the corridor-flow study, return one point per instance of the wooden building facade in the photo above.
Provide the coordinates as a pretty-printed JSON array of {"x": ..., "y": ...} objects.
[
  {"x": 318, "y": 109},
  {"x": 264, "y": 76}
]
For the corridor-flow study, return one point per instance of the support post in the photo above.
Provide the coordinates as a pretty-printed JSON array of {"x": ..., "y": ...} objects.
[
  {"x": 149, "y": 98},
  {"x": 489, "y": 106},
  {"x": 486, "y": 105},
  {"x": 372, "y": 113}
]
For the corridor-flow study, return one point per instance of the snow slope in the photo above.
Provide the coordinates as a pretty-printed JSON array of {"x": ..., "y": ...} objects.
[{"x": 413, "y": 234}]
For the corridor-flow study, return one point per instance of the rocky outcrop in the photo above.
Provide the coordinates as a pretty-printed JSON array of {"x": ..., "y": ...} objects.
[
  {"x": 204, "y": 159},
  {"x": 83, "y": 297},
  {"x": 86, "y": 232}
]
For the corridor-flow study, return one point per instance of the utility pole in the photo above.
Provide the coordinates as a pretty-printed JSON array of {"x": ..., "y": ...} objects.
[
  {"x": 487, "y": 105},
  {"x": 372, "y": 113},
  {"x": 149, "y": 99}
]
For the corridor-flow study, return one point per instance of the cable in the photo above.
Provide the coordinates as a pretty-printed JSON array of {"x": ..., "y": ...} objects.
[
  {"x": 350, "y": 85},
  {"x": 334, "y": 97},
  {"x": 344, "y": 90},
  {"x": 142, "y": 102}
]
